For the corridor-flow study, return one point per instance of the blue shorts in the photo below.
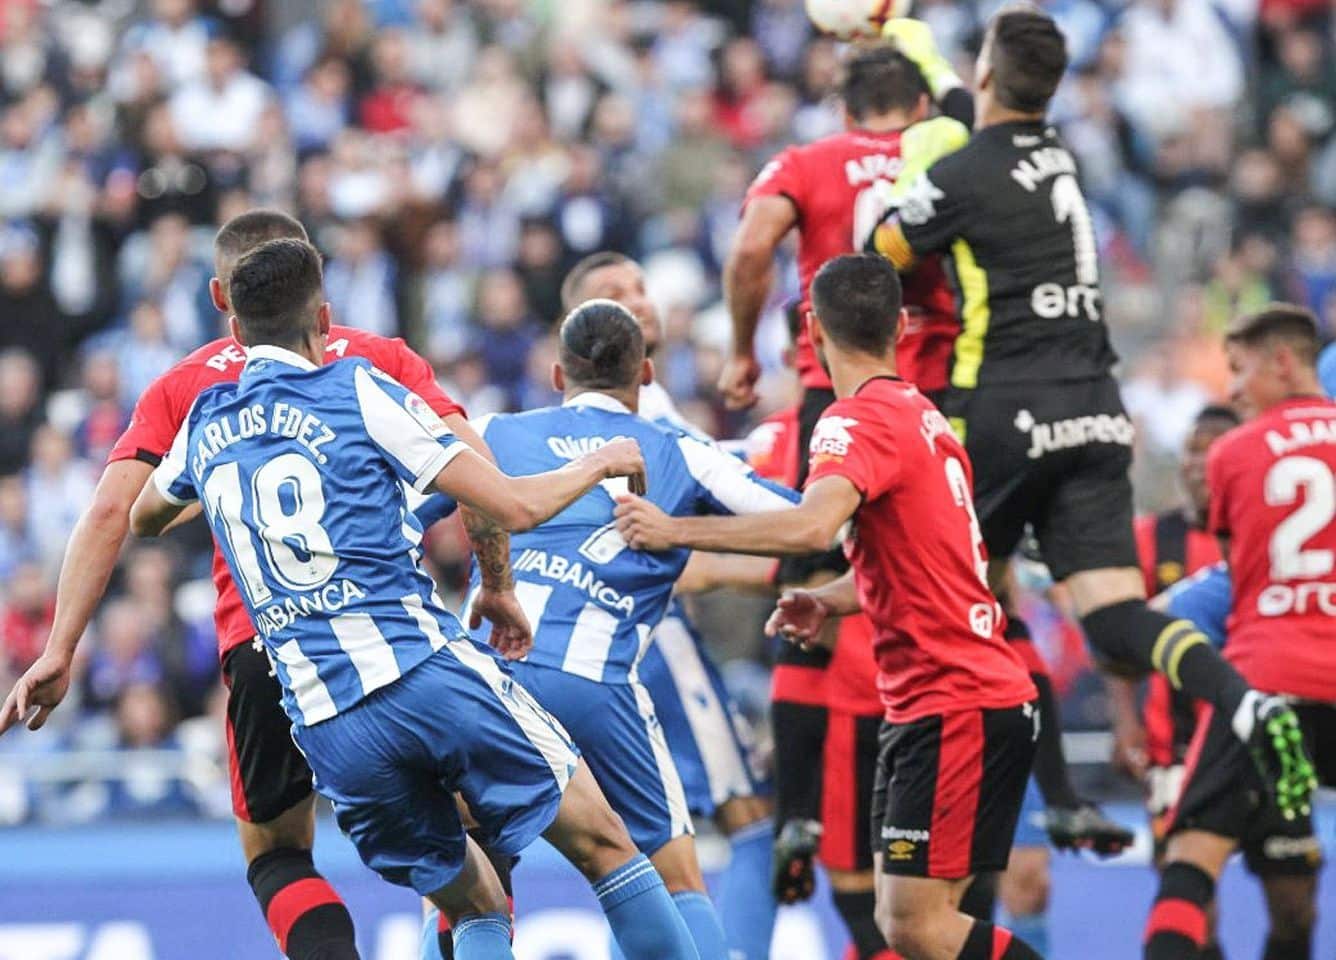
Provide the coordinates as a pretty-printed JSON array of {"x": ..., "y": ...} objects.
[
  {"x": 1030, "y": 830},
  {"x": 456, "y": 722},
  {"x": 711, "y": 743},
  {"x": 620, "y": 738}
]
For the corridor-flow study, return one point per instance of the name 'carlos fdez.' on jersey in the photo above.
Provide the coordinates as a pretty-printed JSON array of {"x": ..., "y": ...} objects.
[
  {"x": 591, "y": 600},
  {"x": 299, "y": 470},
  {"x": 1008, "y": 209}
]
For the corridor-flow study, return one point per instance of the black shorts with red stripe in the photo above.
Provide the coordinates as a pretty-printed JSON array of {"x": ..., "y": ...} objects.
[
  {"x": 269, "y": 774},
  {"x": 798, "y": 720},
  {"x": 1223, "y": 794},
  {"x": 949, "y": 789},
  {"x": 848, "y": 774}
]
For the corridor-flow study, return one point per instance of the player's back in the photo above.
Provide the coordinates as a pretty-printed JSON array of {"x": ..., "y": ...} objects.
[
  {"x": 1273, "y": 494},
  {"x": 1008, "y": 209},
  {"x": 292, "y": 467},
  {"x": 591, "y": 600},
  {"x": 918, "y": 555}
]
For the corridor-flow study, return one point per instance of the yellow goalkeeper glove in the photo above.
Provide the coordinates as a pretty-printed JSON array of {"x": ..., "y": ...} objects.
[{"x": 914, "y": 40}]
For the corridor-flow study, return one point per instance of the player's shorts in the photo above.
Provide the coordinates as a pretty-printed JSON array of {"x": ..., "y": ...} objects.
[
  {"x": 621, "y": 739},
  {"x": 1030, "y": 830},
  {"x": 711, "y": 742},
  {"x": 1223, "y": 794},
  {"x": 1053, "y": 455},
  {"x": 949, "y": 789},
  {"x": 268, "y": 773},
  {"x": 849, "y": 770},
  {"x": 459, "y": 721}
]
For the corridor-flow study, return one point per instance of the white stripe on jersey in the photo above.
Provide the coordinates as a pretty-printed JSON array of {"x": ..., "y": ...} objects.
[
  {"x": 532, "y": 598},
  {"x": 412, "y": 604},
  {"x": 728, "y": 479},
  {"x": 400, "y": 434},
  {"x": 370, "y": 653},
  {"x": 590, "y": 644},
  {"x": 711, "y": 725},
  {"x": 674, "y": 795},
  {"x": 310, "y": 692}
]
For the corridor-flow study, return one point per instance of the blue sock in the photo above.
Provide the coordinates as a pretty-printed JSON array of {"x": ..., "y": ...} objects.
[
  {"x": 1030, "y": 927},
  {"x": 431, "y": 941},
  {"x": 644, "y": 919},
  {"x": 703, "y": 922},
  {"x": 483, "y": 936},
  {"x": 746, "y": 901}
]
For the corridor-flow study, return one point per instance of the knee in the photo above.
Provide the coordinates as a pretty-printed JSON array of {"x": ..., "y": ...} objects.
[
  {"x": 601, "y": 845},
  {"x": 1024, "y": 890},
  {"x": 907, "y": 931}
]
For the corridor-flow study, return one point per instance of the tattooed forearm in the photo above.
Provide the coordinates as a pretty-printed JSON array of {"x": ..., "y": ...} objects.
[{"x": 491, "y": 545}]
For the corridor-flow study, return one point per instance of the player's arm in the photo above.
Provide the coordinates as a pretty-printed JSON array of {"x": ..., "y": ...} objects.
[
  {"x": 800, "y": 615},
  {"x": 924, "y": 210},
  {"x": 707, "y": 571},
  {"x": 168, "y": 493},
  {"x": 748, "y": 275},
  {"x": 807, "y": 527},
  {"x": 90, "y": 557},
  {"x": 914, "y": 39}
]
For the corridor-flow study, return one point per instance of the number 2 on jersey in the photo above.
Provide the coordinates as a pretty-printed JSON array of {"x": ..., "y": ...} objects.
[
  {"x": 1284, "y": 481},
  {"x": 288, "y": 505},
  {"x": 960, "y": 489}
]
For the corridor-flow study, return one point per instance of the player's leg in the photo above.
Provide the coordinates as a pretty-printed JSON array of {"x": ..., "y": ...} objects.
[
  {"x": 437, "y": 937},
  {"x": 949, "y": 792},
  {"x": 1178, "y": 926},
  {"x": 713, "y": 751},
  {"x": 477, "y": 907},
  {"x": 1291, "y": 907},
  {"x": 274, "y": 805},
  {"x": 1022, "y": 892}
]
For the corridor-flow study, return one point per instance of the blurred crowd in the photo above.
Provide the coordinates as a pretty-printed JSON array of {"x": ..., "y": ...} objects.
[{"x": 451, "y": 159}]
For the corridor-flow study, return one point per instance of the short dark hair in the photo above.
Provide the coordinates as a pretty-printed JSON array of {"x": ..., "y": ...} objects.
[
  {"x": 570, "y": 287},
  {"x": 1216, "y": 411},
  {"x": 1028, "y": 54},
  {"x": 857, "y": 298},
  {"x": 244, "y": 232},
  {"x": 878, "y": 78},
  {"x": 1286, "y": 323},
  {"x": 275, "y": 291},
  {"x": 601, "y": 346}
]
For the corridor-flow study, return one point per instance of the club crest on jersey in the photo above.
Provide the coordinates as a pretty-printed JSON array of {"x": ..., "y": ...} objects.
[{"x": 831, "y": 438}]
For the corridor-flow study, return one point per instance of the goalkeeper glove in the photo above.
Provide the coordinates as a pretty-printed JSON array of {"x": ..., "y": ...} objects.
[{"x": 914, "y": 40}]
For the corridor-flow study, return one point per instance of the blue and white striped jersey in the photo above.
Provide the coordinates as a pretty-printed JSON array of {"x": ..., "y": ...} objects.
[
  {"x": 592, "y": 601},
  {"x": 301, "y": 470}
]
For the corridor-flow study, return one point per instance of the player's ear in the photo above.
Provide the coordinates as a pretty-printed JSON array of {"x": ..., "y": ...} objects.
[
  {"x": 218, "y": 296},
  {"x": 646, "y": 372},
  {"x": 558, "y": 378},
  {"x": 901, "y": 321},
  {"x": 323, "y": 318},
  {"x": 234, "y": 328},
  {"x": 814, "y": 331},
  {"x": 923, "y": 109}
]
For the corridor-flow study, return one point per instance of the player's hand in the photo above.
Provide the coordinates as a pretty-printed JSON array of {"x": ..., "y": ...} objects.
[
  {"x": 40, "y": 689},
  {"x": 798, "y": 617},
  {"x": 622, "y": 458},
  {"x": 1129, "y": 750},
  {"x": 643, "y": 525},
  {"x": 512, "y": 637},
  {"x": 914, "y": 39},
  {"x": 737, "y": 382}
]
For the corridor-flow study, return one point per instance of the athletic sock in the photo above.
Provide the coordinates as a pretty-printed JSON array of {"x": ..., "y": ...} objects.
[
  {"x": 857, "y": 909},
  {"x": 703, "y": 923},
  {"x": 644, "y": 920},
  {"x": 1050, "y": 764},
  {"x": 437, "y": 943},
  {"x": 980, "y": 898},
  {"x": 746, "y": 898},
  {"x": 1177, "y": 927},
  {"x": 308, "y": 919},
  {"x": 1130, "y": 632},
  {"x": 1296, "y": 949},
  {"x": 1030, "y": 927},
  {"x": 989, "y": 942},
  {"x": 483, "y": 936}
]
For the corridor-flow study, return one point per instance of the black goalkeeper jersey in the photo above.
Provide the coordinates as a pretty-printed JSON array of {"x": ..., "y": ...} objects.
[{"x": 1009, "y": 213}]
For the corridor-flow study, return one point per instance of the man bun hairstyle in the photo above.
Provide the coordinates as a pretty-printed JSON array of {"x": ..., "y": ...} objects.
[
  {"x": 1277, "y": 323},
  {"x": 1028, "y": 54},
  {"x": 276, "y": 289},
  {"x": 570, "y": 287},
  {"x": 878, "y": 78},
  {"x": 244, "y": 232},
  {"x": 858, "y": 298},
  {"x": 601, "y": 346}
]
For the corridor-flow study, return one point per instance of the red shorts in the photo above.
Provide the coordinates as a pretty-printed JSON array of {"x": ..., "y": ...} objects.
[{"x": 848, "y": 772}]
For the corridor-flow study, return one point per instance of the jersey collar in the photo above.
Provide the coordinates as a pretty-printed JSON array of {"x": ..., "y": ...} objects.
[
  {"x": 267, "y": 351},
  {"x": 600, "y": 401}
]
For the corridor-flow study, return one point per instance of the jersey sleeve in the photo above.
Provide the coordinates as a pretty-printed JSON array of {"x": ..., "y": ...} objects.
[
  {"x": 409, "y": 434},
  {"x": 172, "y": 476},
  {"x": 781, "y": 177},
  {"x": 726, "y": 485},
  {"x": 152, "y": 427},
  {"x": 847, "y": 443},
  {"x": 415, "y": 373},
  {"x": 935, "y": 208}
]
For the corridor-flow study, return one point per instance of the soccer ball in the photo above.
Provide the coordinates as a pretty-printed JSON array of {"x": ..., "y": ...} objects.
[{"x": 851, "y": 19}]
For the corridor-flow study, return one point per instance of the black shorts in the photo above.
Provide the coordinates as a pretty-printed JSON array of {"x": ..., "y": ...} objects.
[
  {"x": 269, "y": 774},
  {"x": 1054, "y": 456},
  {"x": 798, "y": 570},
  {"x": 949, "y": 789},
  {"x": 849, "y": 771},
  {"x": 1223, "y": 794},
  {"x": 800, "y": 734}
]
